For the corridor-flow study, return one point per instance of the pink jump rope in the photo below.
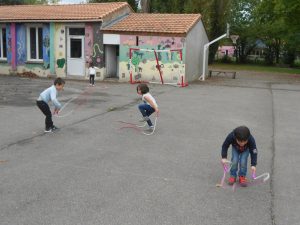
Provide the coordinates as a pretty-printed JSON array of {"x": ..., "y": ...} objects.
[
  {"x": 226, "y": 168},
  {"x": 138, "y": 127}
]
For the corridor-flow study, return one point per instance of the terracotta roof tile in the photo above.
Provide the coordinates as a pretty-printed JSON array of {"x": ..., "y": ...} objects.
[
  {"x": 76, "y": 12},
  {"x": 142, "y": 23}
]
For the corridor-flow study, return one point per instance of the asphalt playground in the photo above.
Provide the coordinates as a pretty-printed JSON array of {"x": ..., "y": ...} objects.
[{"x": 96, "y": 171}]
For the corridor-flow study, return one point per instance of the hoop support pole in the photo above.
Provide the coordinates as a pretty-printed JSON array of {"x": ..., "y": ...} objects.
[{"x": 158, "y": 67}]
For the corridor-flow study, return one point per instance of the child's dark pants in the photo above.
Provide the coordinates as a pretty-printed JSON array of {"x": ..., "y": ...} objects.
[
  {"x": 92, "y": 79},
  {"x": 146, "y": 110},
  {"x": 44, "y": 107}
]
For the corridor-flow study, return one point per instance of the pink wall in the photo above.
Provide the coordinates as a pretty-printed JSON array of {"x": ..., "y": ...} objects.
[
  {"x": 222, "y": 50},
  {"x": 89, "y": 42}
]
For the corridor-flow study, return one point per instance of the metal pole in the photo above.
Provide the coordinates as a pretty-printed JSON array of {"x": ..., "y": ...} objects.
[
  {"x": 204, "y": 54},
  {"x": 206, "y": 47}
]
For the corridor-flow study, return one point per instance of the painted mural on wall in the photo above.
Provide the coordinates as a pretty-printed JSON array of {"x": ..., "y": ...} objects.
[
  {"x": 89, "y": 43},
  {"x": 21, "y": 44},
  {"x": 97, "y": 51},
  {"x": 46, "y": 46},
  {"x": 144, "y": 65},
  {"x": 9, "y": 44},
  {"x": 60, "y": 49}
]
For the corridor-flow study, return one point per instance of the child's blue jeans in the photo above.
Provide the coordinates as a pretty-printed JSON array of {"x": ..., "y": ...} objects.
[
  {"x": 239, "y": 159},
  {"x": 146, "y": 110}
]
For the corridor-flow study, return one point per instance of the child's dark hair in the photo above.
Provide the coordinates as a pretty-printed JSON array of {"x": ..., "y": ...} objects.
[
  {"x": 59, "y": 81},
  {"x": 143, "y": 87},
  {"x": 91, "y": 64},
  {"x": 242, "y": 133}
]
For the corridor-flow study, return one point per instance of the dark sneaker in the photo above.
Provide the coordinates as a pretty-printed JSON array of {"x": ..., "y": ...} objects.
[
  {"x": 243, "y": 181},
  {"x": 231, "y": 180},
  {"x": 49, "y": 130}
]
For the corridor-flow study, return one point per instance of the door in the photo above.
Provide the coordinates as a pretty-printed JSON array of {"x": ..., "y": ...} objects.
[
  {"x": 75, "y": 57},
  {"x": 111, "y": 61}
]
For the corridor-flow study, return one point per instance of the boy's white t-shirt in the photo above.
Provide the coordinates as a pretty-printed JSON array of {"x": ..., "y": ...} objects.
[
  {"x": 92, "y": 71},
  {"x": 149, "y": 96}
]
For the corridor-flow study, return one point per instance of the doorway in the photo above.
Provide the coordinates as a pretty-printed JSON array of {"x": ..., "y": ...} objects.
[
  {"x": 75, "y": 52},
  {"x": 112, "y": 61}
]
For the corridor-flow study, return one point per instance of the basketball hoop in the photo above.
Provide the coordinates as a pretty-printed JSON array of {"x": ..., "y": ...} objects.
[{"x": 234, "y": 38}]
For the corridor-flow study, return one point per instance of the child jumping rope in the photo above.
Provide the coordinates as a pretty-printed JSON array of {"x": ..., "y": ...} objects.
[
  {"x": 149, "y": 106},
  {"x": 243, "y": 144},
  {"x": 45, "y": 97}
]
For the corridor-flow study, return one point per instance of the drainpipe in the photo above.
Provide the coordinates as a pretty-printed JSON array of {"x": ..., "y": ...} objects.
[{"x": 206, "y": 46}]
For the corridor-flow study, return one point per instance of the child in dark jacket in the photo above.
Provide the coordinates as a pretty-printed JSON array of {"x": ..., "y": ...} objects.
[{"x": 243, "y": 144}]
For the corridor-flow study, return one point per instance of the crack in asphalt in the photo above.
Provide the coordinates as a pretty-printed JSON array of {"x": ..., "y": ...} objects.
[{"x": 272, "y": 213}]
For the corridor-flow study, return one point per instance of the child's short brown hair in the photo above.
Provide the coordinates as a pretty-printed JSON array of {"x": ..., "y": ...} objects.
[
  {"x": 59, "y": 81},
  {"x": 143, "y": 88}
]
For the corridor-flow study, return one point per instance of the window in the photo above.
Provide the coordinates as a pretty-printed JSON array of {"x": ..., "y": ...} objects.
[
  {"x": 3, "y": 49},
  {"x": 35, "y": 43},
  {"x": 76, "y": 48},
  {"x": 76, "y": 31}
]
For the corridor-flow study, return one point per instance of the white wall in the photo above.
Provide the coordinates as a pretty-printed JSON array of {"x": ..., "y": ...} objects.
[
  {"x": 196, "y": 39},
  {"x": 111, "y": 39}
]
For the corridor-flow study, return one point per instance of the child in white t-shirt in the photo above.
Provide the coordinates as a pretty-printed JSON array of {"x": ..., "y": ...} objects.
[
  {"x": 92, "y": 73},
  {"x": 149, "y": 106}
]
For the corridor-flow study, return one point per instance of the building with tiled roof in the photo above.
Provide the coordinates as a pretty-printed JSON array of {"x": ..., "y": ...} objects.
[
  {"x": 178, "y": 41},
  {"x": 56, "y": 13},
  {"x": 63, "y": 40},
  {"x": 155, "y": 24},
  {"x": 56, "y": 40}
]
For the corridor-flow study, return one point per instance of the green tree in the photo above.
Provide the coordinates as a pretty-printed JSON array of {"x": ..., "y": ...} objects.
[
  {"x": 241, "y": 20},
  {"x": 145, "y": 6},
  {"x": 270, "y": 29},
  {"x": 289, "y": 12},
  {"x": 12, "y": 2},
  {"x": 218, "y": 16},
  {"x": 198, "y": 6},
  {"x": 167, "y": 6}
]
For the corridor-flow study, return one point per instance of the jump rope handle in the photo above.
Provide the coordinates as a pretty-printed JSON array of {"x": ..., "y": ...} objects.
[{"x": 225, "y": 167}]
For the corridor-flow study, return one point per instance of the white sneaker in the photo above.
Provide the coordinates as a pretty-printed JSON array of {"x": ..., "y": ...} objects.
[{"x": 48, "y": 130}]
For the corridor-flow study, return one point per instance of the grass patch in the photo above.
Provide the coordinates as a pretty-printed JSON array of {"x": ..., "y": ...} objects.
[{"x": 271, "y": 69}]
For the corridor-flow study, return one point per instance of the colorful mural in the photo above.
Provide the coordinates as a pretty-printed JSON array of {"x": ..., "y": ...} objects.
[
  {"x": 13, "y": 46},
  {"x": 144, "y": 65},
  {"x": 89, "y": 43},
  {"x": 60, "y": 49},
  {"x": 21, "y": 44},
  {"x": 98, "y": 53},
  {"x": 46, "y": 46},
  {"x": 9, "y": 44}
]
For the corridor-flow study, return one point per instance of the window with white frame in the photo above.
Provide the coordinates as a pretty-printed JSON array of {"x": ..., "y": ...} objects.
[
  {"x": 35, "y": 43},
  {"x": 3, "y": 48}
]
